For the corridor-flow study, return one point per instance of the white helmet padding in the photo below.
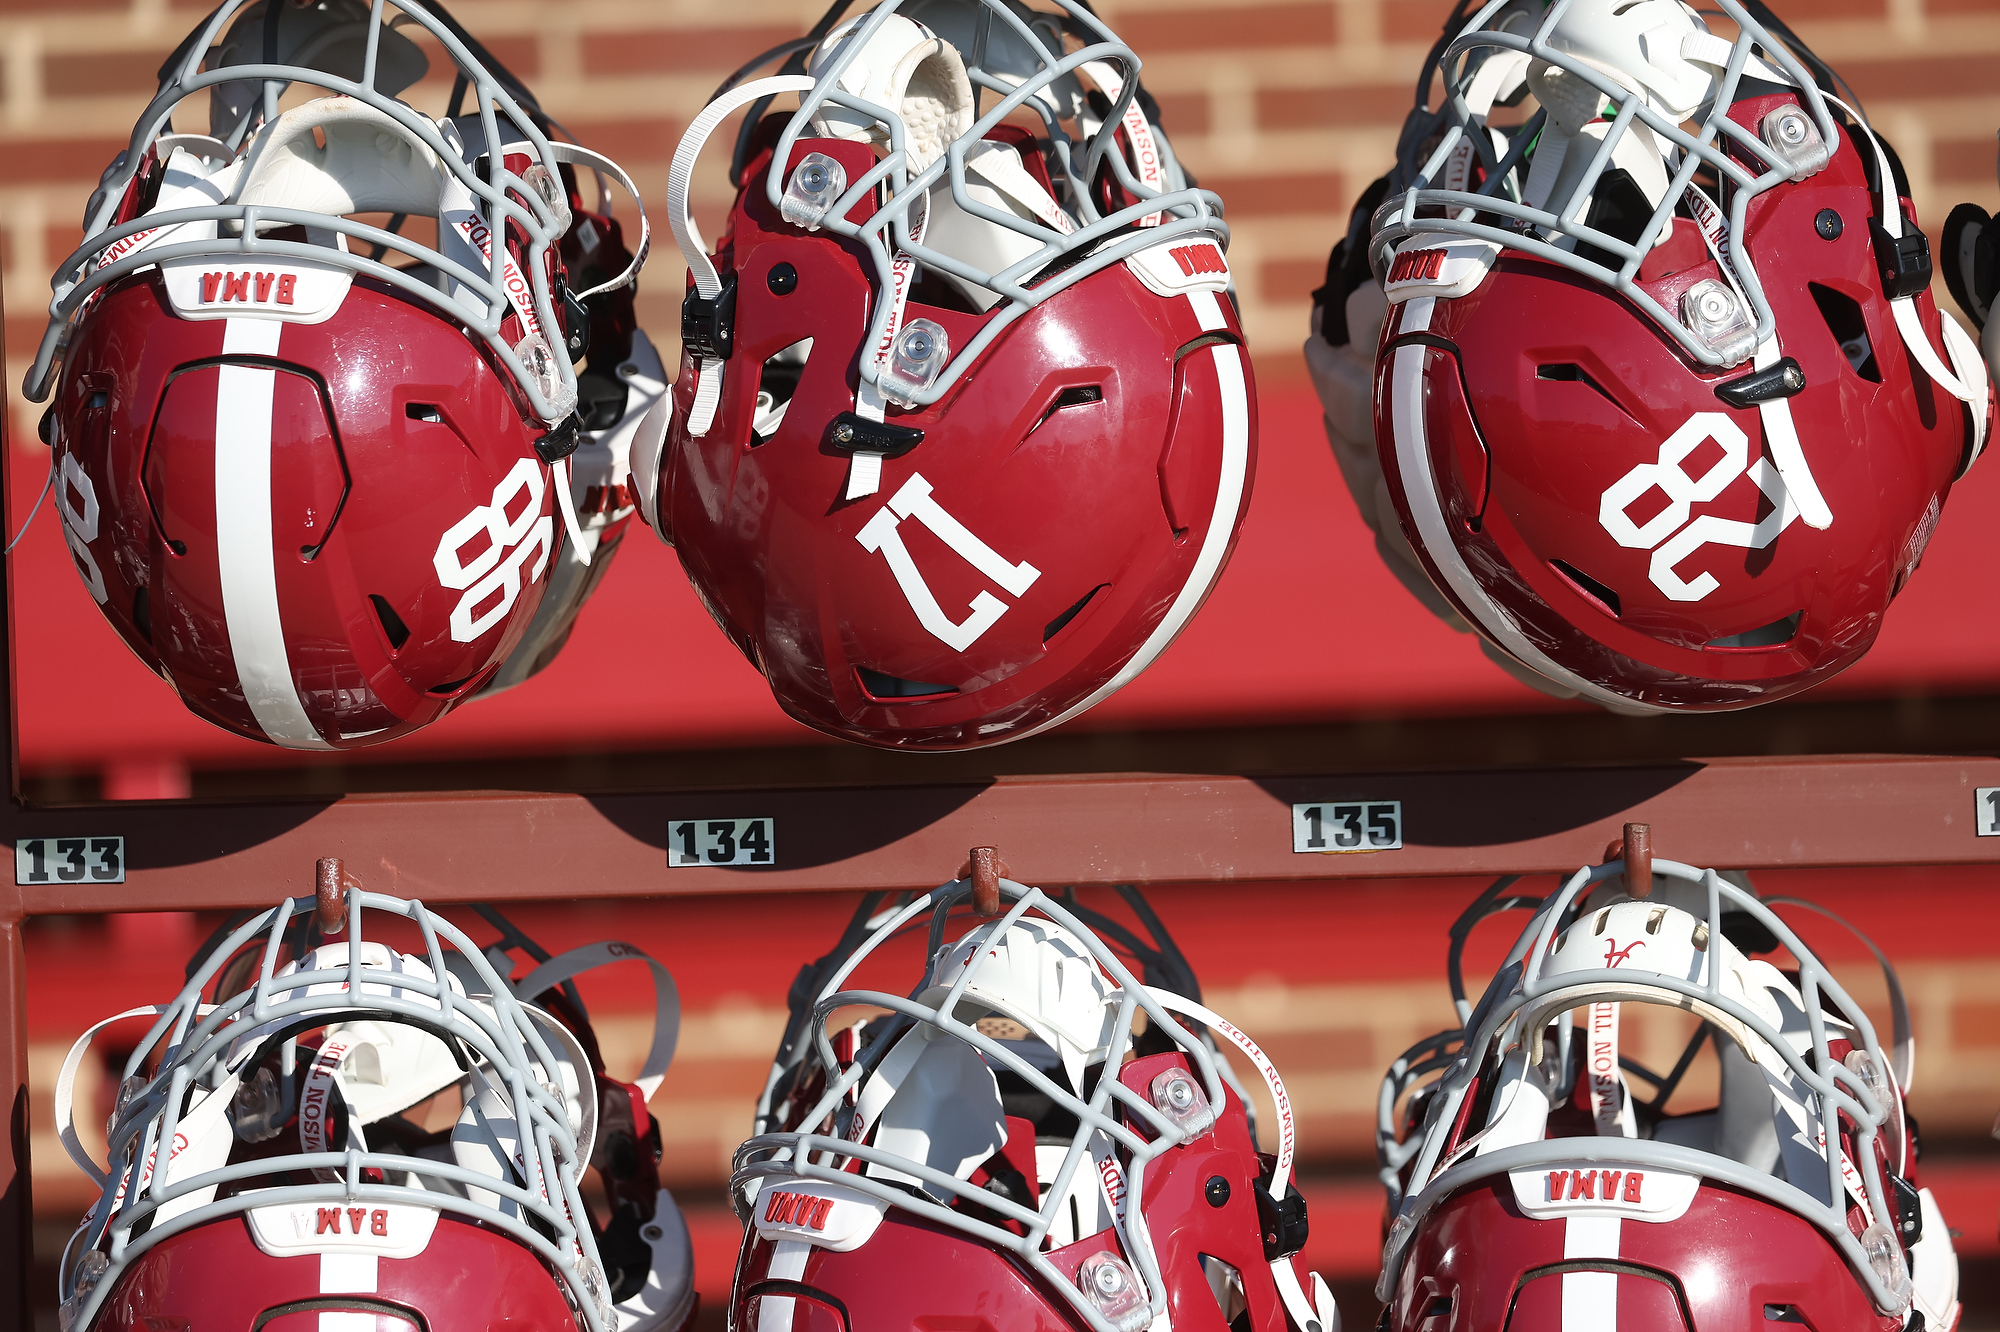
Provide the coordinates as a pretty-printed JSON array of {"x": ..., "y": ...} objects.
[
  {"x": 1038, "y": 974},
  {"x": 934, "y": 1102},
  {"x": 1775, "y": 1135},
  {"x": 905, "y": 67},
  {"x": 931, "y": 1103},
  {"x": 532, "y": 1087},
  {"x": 369, "y": 163}
]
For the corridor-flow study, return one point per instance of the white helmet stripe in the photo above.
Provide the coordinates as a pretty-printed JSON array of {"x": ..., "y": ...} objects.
[
  {"x": 1229, "y": 498},
  {"x": 1427, "y": 513},
  {"x": 1590, "y": 1299},
  {"x": 244, "y": 559}
]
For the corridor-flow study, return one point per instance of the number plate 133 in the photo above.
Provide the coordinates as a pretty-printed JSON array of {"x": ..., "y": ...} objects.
[
  {"x": 723, "y": 842},
  {"x": 69, "y": 860},
  {"x": 1331, "y": 827}
]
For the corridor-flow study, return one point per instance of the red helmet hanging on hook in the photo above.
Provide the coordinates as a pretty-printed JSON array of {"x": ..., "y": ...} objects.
[
  {"x": 965, "y": 427},
  {"x": 1663, "y": 413},
  {"x": 315, "y": 471}
]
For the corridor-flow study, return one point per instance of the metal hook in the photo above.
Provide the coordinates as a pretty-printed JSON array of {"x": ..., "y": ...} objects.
[
  {"x": 331, "y": 881},
  {"x": 1635, "y": 848},
  {"x": 985, "y": 868}
]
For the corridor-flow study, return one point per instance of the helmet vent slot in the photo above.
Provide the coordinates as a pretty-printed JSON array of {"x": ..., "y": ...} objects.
[
  {"x": 1589, "y": 588},
  {"x": 1783, "y": 1313},
  {"x": 423, "y": 411},
  {"x": 879, "y": 686},
  {"x": 1568, "y": 372},
  {"x": 1205, "y": 340},
  {"x": 1061, "y": 622},
  {"x": 1077, "y": 395},
  {"x": 1775, "y": 634},
  {"x": 393, "y": 627},
  {"x": 1844, "y": 320},
  {"x": 776, "y": 384},
  {"x": 142, "y": 615},
  {"x": 1225, "y": 1282}
]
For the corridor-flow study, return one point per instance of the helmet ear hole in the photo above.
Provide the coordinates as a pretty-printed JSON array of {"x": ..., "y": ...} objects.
[
  {"x": 1849, "y": 328},
  {"x": 392, "y": 624}
]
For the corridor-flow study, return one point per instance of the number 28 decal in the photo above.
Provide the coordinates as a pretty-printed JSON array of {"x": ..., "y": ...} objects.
[{"x": 1668, "y": 533}]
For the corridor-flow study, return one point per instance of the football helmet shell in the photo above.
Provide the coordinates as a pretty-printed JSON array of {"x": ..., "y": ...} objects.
[
  {"x": 293, "y": 1176},
  {"x": 319, "y": 492},
  {"x": 1542, "y": 1184},
  {"x": 1579, "y": 350},
  {"x": 910, "y": 1176},
  {"x": 1004, "y": 427}
]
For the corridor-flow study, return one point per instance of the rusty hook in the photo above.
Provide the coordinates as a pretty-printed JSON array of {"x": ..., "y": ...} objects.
[
  {"x": 330, "y": 883},
  {"x": 1635, "y": 848},
  {"x": 985, "y": 868}
]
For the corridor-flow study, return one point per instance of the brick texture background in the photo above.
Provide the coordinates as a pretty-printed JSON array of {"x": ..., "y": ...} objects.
[{"x": 1287, "y": 108}]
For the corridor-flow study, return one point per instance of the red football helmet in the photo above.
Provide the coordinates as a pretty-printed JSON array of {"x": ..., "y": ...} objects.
[
  {"x": 1618, "y": 350},
  {"x": 1000, "y": 1142},
  {"x": 317, "y": 491},
  {"x": 964, "y": 427},
  {"x": 305, "y": 1177},
  {"x": 1541, "y": 1191}
]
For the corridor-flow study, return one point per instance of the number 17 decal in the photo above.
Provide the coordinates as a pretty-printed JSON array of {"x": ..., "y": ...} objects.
[{"x": 880, "y": 534}]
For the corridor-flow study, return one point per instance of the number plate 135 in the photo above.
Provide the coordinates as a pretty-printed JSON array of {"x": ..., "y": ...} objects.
[
  {"x": 69, "y": 860},
  {"x": 723, "y": 842},
  {"x": 1331, "y": 827}
]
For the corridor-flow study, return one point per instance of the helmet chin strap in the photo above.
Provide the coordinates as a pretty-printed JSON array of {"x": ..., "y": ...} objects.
[
  {"x": 1969, "y": 384},
  {"x": 1318, "y": 1313},
  {"x": 707, "y": 282}
]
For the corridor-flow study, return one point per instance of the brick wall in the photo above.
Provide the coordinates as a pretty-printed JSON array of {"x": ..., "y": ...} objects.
[{"x": 1288, "y": 108}]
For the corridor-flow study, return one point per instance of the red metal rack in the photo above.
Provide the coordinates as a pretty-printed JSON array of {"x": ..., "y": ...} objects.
[{"x": 1085, "y": 830}]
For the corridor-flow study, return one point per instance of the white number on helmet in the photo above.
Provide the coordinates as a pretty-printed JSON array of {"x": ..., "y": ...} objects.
[
  {"x": 1670, "y": 525},
  {"x": 492, "y": 579},
  {"x": 79, "y": 524},
  {"x": 880, "y": 534}
]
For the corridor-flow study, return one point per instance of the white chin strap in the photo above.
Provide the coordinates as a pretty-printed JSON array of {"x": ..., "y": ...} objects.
[
  {"x": 708, "y": 382},
  {"x": 1317, "y": 1313},
  {"x": 1969, "y": 383}
]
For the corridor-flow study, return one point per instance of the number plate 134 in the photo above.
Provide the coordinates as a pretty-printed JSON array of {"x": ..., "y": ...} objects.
[
  {"x": 1330, "y": 827},
  {"x": 723, "y": 842}
]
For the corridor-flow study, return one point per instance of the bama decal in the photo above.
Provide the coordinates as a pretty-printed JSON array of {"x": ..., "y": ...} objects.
[
  {"x": 1673, "y": 534},
  {"x": 798, "y": 1209},
  {"x": 880, "y": 536},
  {"x": 1617, "y": 1185},
  {"x": 327, "y": 1220},
  {"x": 1417, "y": 266},
  {"x": 1582, "y": 1188},
  {"x": 248, "y": 288}
]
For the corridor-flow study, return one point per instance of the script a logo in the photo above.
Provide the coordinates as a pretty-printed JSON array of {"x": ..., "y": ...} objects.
[
  {"x": 880, "y": 534},
  {"x": 1613, "y": 954}
]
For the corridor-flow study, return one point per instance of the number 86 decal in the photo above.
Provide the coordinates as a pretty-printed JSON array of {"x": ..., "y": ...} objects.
[{"x": 1670, "y": 525}]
